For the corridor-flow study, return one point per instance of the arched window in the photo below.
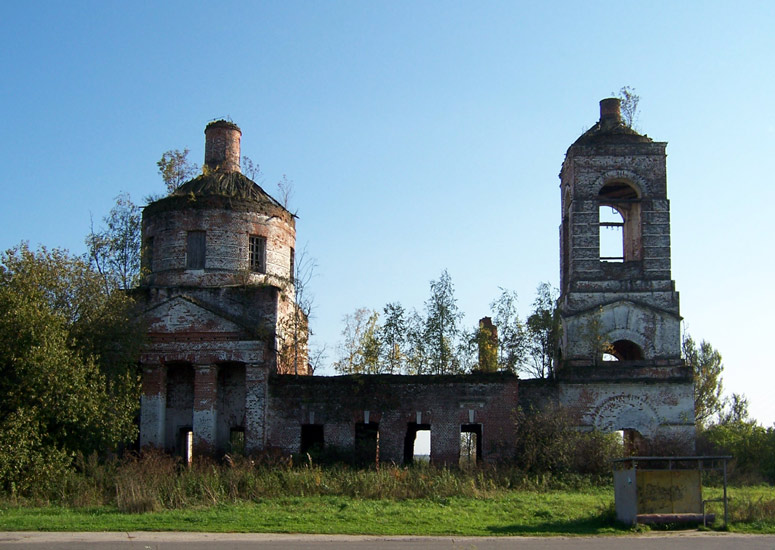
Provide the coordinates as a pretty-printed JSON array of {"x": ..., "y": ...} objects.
[
  {"x": 611, "y": 234},
  {"x": 623, "y": 350},
  {"x": 619, "y": 219}
]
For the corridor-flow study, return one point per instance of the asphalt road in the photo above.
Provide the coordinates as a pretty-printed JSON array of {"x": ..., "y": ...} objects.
[{"x": 201, "y": 541}]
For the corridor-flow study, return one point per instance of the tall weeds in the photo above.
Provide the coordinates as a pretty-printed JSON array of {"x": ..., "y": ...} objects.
[{"x": 156, "y": 481}]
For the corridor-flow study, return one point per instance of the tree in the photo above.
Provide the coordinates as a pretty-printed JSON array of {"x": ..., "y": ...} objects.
[
  {"x": 466, "y": 355},
  {"x": 294, "y": 331},
  {"x": 706, "y": 364},
  {"x": 751, "y": 445},
  {"x": 416, "y": 344},
  {"x": 543, "y": 331},
  {"x": 68, "y": 350},
  {"x": 175, "y": 168},
  {"x": 735, "y": 409},
  {"x": 547, "y": 440},
  {"x": 393, "y": 337},
  {"x": 629, "y": 105},
  {"x": 441, "y": 325},
  {"x": 511, "y": 333},
  {"x": 592, "y": 333},
  {"x": 114, "y": 250},
  {"x": 359, "y": 350}
]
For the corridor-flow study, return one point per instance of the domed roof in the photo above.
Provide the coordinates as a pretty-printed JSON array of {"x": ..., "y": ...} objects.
[
  {"x": 229, "y": 190},
  {"x": 233, "y": 185}
]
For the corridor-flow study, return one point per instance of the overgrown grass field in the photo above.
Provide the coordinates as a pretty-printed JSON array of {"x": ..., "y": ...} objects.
[{"x": 158, "y": 493}]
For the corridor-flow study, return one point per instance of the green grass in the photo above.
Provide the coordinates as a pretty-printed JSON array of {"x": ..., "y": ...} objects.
[
  {"x": 751, "y": 508},
  {"x": 156, "y": 492},
  {"x": 587, "y": 512},
  {"x": 520, "y": 513}
]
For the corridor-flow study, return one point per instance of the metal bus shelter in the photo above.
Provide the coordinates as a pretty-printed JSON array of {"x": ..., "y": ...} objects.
[{"x": 665, "y": 489}]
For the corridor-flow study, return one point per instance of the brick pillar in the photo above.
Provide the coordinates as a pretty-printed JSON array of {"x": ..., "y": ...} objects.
[
  {"x": 205, "y": 408},
  {"x": 255, "y": 407},
  {"x": 153, "y": 406},
  {"x": 392, "y": 431},
  {"x": 445, "y": 441}
]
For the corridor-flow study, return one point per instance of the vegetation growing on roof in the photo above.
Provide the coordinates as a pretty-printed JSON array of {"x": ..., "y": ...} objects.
[{"x": 221, "y": 123}]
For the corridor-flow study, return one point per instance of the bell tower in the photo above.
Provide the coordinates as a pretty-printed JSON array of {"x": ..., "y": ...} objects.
[{"x": 618, "y": 304}]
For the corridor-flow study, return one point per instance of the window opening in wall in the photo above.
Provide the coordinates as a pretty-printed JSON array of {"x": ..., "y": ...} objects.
[
  {"x": 185, "y": 444},
  {"x": 417, "y": 443},
  {"x": 293, "y": 264},
  {"x": 470, "y": 445},
  {"x": 611, "y": 235},
  {"x": 237, "y": 441},
  {"x": 312, "y": 441},
  {"x": 620, "y": 233},
  {"x": 257, "y": 254},
  {"x": 195, "y": 250},
  {"x": 623, "y": 350},
  {"x": 366, "y": 443}
]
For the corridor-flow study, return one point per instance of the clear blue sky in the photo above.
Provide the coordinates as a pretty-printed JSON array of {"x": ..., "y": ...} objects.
[{"x": 420, "y": 136}]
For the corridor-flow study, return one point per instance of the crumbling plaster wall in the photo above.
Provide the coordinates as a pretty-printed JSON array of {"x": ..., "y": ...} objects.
[
  {"x": 654, "y": 409},
  {"x": 655, "y": 331},
  {"x": 180, "y": 313}
]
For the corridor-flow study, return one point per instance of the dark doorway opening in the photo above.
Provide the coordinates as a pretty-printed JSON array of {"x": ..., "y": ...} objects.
[
  {"x": 312, "y": 441},
  {"x": 366, "y": 443},
  {"x": 237, "y": 441}
]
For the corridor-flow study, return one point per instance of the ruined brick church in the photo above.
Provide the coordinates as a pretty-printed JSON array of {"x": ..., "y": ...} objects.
[{"x": 218, "y": 297}]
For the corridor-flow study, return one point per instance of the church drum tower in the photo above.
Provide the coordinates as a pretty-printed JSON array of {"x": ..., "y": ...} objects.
[{"x": 216, "y": 296}]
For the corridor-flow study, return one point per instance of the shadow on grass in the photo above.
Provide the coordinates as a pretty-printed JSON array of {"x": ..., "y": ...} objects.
[{"x": 585, "y": 526}]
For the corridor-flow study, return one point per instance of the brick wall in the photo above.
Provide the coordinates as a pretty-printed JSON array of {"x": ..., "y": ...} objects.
[{"x": 445, "y": 403}]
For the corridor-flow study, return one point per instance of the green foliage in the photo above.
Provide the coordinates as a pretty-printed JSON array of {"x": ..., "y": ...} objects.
[
  {"x": 751, "y": 445},
  {"x": 392, "y": 336},
  {"x": 175, "y": 168},
  {"x": 417, "y": 352},
  {"x": 442, "y": 325},
  {"x": 435, "y": 343},
  {"x": 114, "y": 250},
  {"x": 512, "y": 338},
  {"x": 547, "y": 441},
  {"x": 543, "y": 329},
  {"x": 359, "y": 352},
  {"x": 67, "y": 374},
  {"x": 413, "y": 343},
  {"x": 592, "y": 334},
  {"x": 705, "y": 362},
  {"x": 735, "y": 409}
]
